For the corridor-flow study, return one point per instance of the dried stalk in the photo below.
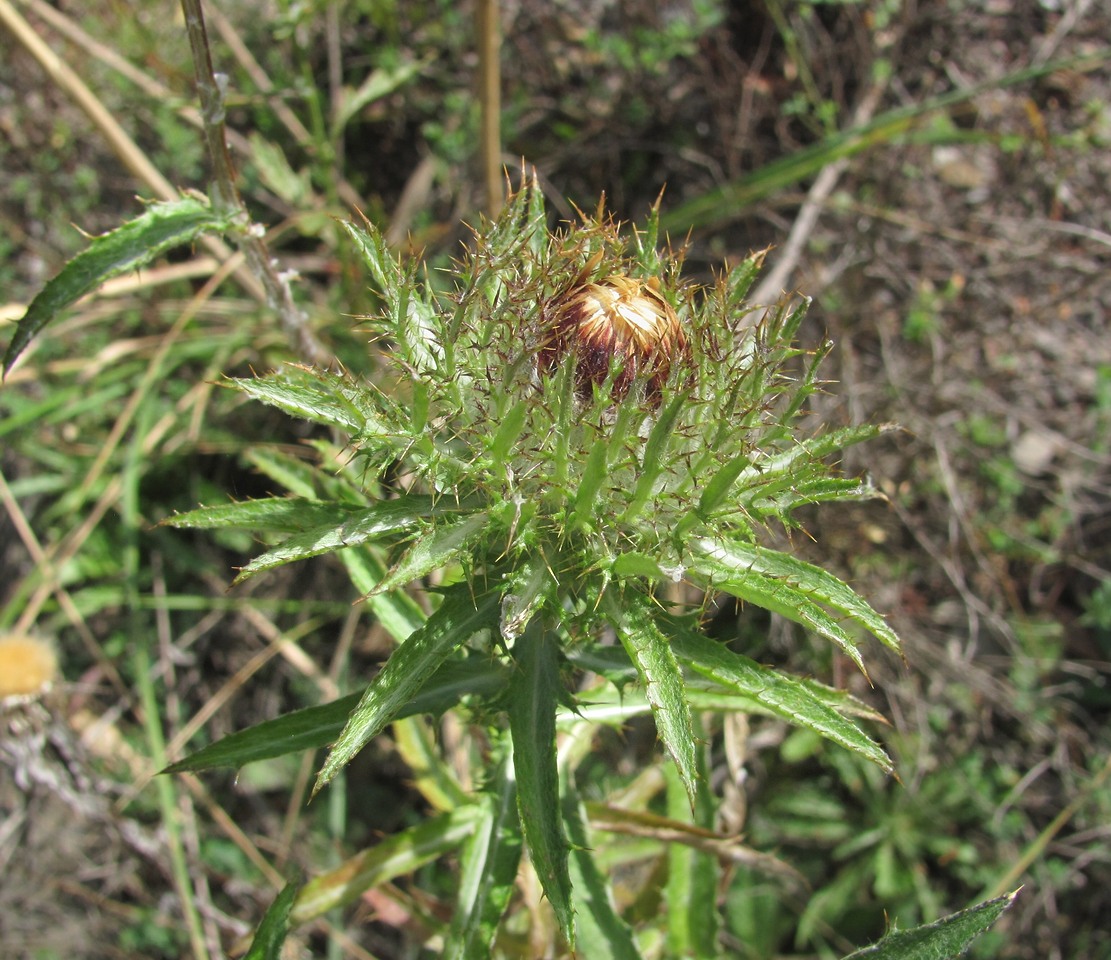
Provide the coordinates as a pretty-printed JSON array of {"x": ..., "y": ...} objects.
[
  {"x": 211, "y": 89},
  {"x": 489, "y": 97}
]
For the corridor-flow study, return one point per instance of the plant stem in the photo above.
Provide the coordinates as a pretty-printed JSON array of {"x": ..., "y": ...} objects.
[
  {"x": 210, "y": 89},
  {"x": 489, "y": 96}
]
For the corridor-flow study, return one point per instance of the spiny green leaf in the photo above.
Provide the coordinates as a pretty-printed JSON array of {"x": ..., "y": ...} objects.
[
  {"x": 785, "y": 696},
  {"x": 458, "y": 619},
  {"x": 948, "y": 937},
  {"x": 646, "y": 241},
  {"x": 810, "y": 383},
  {"x": 305, "y": 729},
  {"x": 739, "y": 279},
  {"x": 624, "y": 435},
  {"x": 530, "y": 586},
  {"x": 411, "y": 321},
  {"x": 776, "y": 596},
  {"x": 534, "y": 692},
  {"x": 804, "y": 578},
  {"x": 782, "y": 469},
  {"x": 654, "y": 461},
  {"x": 636, "y": 564},
  {"x": 280, "y": 514},
  {"x": 508, "y": 431},
  {"x": 315, "y": 727},
  {"x": 721, "y": 483},
  {"x": 593, "y": 476},
  {"x": 659, "y": 674},
  {"x": 813, "y": 490},
  {"x": 322, "y": 397},
  {"x": 435, "y": 549},
  {"x": 384, "y": 519},
  {"x": 617, "y": 705},
  {"x": 563, "y": 389},
  {"x": 136, "y": 243},
  {"x": 534, "y": 217}
]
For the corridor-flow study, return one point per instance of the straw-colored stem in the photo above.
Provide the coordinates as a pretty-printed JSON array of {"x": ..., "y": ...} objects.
[{"x": 489, "y": 96}]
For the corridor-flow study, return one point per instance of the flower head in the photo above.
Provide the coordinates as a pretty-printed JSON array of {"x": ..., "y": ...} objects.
[{"x": 620, "y": 324}]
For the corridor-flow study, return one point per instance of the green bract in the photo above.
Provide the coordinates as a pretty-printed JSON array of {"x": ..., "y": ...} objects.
[{"x": 560, "y": 507}]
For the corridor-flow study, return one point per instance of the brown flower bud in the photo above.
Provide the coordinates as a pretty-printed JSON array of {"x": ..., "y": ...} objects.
[{"x": 619, "y": 318}]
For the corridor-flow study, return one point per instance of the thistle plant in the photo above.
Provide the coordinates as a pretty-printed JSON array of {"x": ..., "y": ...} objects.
[{"x": 551, "y": 447}]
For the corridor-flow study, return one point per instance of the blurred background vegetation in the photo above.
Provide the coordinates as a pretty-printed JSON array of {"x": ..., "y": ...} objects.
[{"x": 935, "y": 174}]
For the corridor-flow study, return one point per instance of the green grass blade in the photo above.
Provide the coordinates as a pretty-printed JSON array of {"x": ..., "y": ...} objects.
[
  {"x": 722, "y": 204},
  {"x": 534, "y": 693},
  {"x": 272, "y": 931},
  {"x": 692, "y": 875},
  {"x": 411, "y": 665},
  {"x": 431, "y": 773},
  {"x": 136, "y": 243},
  {"x": 398, "y": 612},
  {"x": 292, "y": 473},
  {"x": 659, "y": 674},
  {"x": 489, "y": 863},
  {"x": 601, "y": 933},
  {"x": 396, "y": 856}
]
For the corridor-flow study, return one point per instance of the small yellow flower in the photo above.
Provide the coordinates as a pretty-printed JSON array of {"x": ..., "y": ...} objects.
[
  {"x": 619, "y": 318},
  {"x": 28, "y": 666}
]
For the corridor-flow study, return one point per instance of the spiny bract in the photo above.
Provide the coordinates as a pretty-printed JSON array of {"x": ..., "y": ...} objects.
[{"x": 599, "y": 413}]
